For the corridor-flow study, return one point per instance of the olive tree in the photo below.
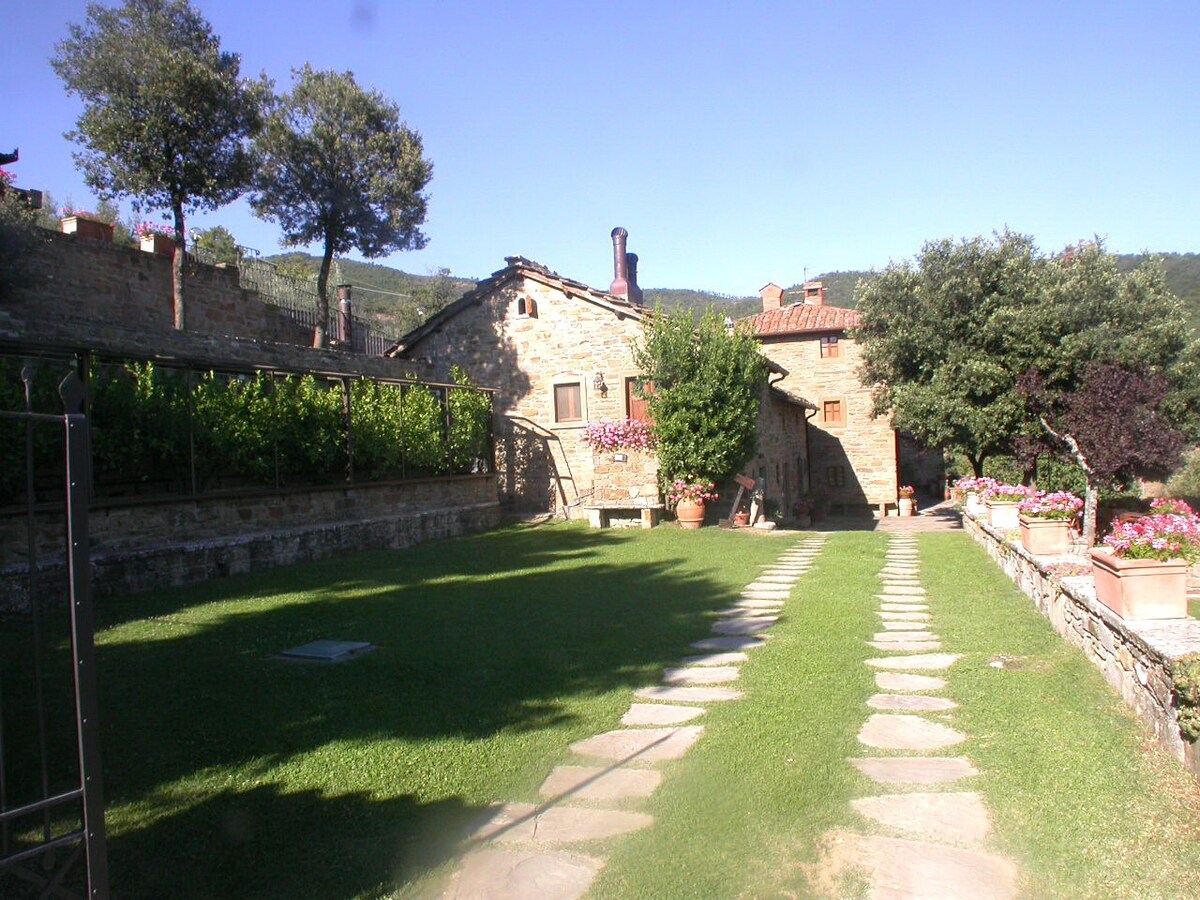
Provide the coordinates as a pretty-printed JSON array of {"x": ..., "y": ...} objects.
[
  {"x": 337, "y": 166},
  {"x": 166, "y": 116}
]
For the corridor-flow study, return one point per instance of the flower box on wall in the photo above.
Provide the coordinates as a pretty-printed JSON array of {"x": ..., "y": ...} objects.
[
  {"x": 161, "y": 244},
  {"x": 92, "y": 229},
  {"x": 1141, "y": 588},
  {"x": 975, "y": 505},
  {"x": 1045, "y": 537},
  {"x": 1002, "y": 514}
]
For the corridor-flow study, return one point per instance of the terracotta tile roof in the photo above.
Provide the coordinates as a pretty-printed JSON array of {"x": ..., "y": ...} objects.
[
  {"x": 800, "y": 318},
  {"x": 516, "y": 266}
]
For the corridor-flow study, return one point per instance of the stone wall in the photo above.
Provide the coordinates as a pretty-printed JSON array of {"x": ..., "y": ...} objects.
[
  {"x": 781, "y": 460},
  {"x": 155, "y": 544},
  {"x": 99, "y": 281},
  {"x": 542, "y": 465},
  {"x": 860, "y": 453},
  {"x": 626, "y": 479},
  {"x": 1135, "y": 657}
]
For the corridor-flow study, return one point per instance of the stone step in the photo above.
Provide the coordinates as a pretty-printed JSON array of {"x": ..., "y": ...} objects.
[
  {"x": 910, "y": 703},
  {"x": 902, "y": 681},
  {"x": 925, "y": 661},
  {"x": 660, "y": 714},
  {"x": 731, "y": 642},
  {"x": 596, "y": 783},
  {"x": 729, "y": 658},
  {"x": 493, "y": 873},
  {"x": 673, "y": 694},
  {"x": 735, "y": 626},
  {"x": 920, "y": 870},
  {"x": 701, "y": 675},
  {"x": 524, "y": 823},
  {"x": 886, "y": 731},
  {"x": 640, "y": 744},
  {"x": 915, "y": 770},
  {"x": 949, "y": 818},
  {"x": 885, "y": 637},
  {"x": 907, "y": 646}
]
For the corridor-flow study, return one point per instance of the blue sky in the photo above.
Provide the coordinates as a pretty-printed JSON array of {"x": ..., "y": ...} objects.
[{"x": 738, "y": 144}]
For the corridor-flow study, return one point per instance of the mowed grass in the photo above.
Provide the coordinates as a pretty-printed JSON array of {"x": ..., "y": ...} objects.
[
  {"x": 230, "y": 774},
  {"x": 742, "y": 813},
  {"x": 1081, "y": 797}
]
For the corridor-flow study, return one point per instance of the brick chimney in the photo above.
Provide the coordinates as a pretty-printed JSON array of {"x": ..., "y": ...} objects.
[
  {"x": 772, "y": 296},
  {"x": 814, "y": 293},
  {"x": 636, "y": 297},
  {"x": 620, "y": 282}
]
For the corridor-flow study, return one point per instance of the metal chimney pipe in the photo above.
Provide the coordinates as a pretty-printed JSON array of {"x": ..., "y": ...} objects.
[
  {"x": 620, "y": 283},
  {"x": 636, "y": 296},
  {"x": 345, "y": 318}
]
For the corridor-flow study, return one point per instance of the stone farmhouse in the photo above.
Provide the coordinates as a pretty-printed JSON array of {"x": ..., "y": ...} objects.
[
  {"x": 855, "y": 460},
  {"x": 559, "y": 353}
]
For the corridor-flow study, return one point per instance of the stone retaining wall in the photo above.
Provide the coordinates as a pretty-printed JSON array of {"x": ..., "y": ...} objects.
[
  {"x": 166, "y": 543},
  {"x": 1135, "y": 657}
]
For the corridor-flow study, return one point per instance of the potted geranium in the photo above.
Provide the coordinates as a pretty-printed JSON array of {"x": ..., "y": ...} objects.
[
  {"x": 1046, "y": 520},
  {"x": 1001, "y": 501},
  {"x": 802, "y": 511},
  {"x": 907, "y": 505},
  {"x": 154, "y": 238},
  {"x": 972, "y": 489},
  {"x": 688, "y": 495},
  {"x": 1142, "y": 571}
]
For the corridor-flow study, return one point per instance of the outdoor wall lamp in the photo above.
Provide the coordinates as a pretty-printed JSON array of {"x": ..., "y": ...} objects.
[{"x": 599, "y": 385}]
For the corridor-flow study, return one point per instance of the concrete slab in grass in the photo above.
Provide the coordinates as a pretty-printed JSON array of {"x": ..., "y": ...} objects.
[
  {"x": 731, "y": 642},
  {"x": 730, "y": 658},
  {"x": 907, "y": 646},
  {"x": 750, "y": 611},
  {"x": 752, "y": 625},
  {"x": 952, "y": 818},
  {"x": 919, "y": 662},
  {"x": 640, "y": 744},
  {"x": 524, "y": 823},
  {"x": 886, "y": 731},
  {"x": 915, "y": 769},
  {"x": 685, "y": 694},
  {"x": 910, "y": 703},
  {"x": 897, "y": 616},
  {"x": 904, "y": 591},
  {"x": 597, "y": 783},
  {"x": 904, "y": 626},
  {"x": 903, "y": 681},
  {"x": 660, "y": 714},
  {"x": 886, "y": 637},
  {"x": 901, "y": 868},
  {"x": 890, "y": 604},
  {"x": 758, "y": 603},
  {"x": 701, "y": 675},
  {"x": 497, "y": 874}
]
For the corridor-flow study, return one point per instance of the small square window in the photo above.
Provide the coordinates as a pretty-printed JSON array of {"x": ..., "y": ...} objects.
[
  {"x": 567, "y": 403},
  {"x": 832, "y": 413},
  {"x": 835, "y": 476},
  {"x": 830, "y": 348}
]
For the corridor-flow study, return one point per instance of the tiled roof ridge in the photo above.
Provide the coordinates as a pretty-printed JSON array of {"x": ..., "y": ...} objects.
[{"x": 799, "y": 318}]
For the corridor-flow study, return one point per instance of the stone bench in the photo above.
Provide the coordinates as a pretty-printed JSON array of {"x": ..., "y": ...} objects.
[{"x": 603, "y": 516}]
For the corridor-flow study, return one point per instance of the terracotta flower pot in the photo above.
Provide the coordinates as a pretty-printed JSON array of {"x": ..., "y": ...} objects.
[
  {"x": 1045, "y": 537},
  {"x": 1141, "y": 588},
  {"x": 741, "y": 519},
  {"x": 1002, "y": 514},
  {"x": 689, "y": 513},
  {"x": 162, "y": 244},
  {"x": 87, "y": 228}
]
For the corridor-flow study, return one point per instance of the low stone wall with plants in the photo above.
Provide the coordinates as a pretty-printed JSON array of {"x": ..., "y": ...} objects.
[
  {"x": 1151, "y": 663},
  {"x": 163, "y": 543}
]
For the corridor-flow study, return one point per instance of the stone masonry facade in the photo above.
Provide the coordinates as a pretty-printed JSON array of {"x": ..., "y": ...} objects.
[{"x": 535, "y": 336}]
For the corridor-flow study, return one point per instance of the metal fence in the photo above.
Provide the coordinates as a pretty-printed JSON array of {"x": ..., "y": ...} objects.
[
  {"x": 298, "y": 298},
  {"x": 51, "y": 795}
]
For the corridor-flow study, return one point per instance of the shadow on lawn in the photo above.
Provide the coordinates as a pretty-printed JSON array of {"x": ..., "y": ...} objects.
[{"x": 477, "y": 637}]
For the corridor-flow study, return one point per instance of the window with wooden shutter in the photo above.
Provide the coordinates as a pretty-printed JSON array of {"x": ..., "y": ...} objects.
[
  {"x": 636, "y": 407},
  {"x": 568, "y": 402}
]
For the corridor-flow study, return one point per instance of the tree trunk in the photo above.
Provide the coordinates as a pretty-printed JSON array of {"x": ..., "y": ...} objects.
[
  {"x": 320, "y": 335},
  {"x": 1091, "y": 504},
  {"x": 976, "y": 463},
  {"x": 177, "y": 268}
]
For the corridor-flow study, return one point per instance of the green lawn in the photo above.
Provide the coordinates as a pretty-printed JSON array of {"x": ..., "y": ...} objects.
[{"x": 231, "y": 774}]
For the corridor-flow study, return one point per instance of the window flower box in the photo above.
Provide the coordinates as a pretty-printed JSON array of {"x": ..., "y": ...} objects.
[
  {"x": 1141, "y": 588},
  {"x": 91, "y": 229}
]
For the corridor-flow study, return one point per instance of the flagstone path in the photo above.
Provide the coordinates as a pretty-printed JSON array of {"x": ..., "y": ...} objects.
[
  {"x": 921, "y": 843},
  {"x": 547, "y": 851}
]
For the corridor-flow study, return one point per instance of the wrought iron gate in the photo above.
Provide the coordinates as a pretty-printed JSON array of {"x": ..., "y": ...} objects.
[{"x": 51, "y": 797}]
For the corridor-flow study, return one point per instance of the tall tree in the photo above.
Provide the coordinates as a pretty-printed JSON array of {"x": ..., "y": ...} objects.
[
  {"x": 708, "y": 382},
  {"x": 166, "y": 114},
  {"x": 337, "y": 165},
  {"x": 936, "y": 340}
]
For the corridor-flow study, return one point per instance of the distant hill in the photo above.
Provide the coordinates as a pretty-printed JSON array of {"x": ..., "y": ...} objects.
[{"x": 392, "y": 298}]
